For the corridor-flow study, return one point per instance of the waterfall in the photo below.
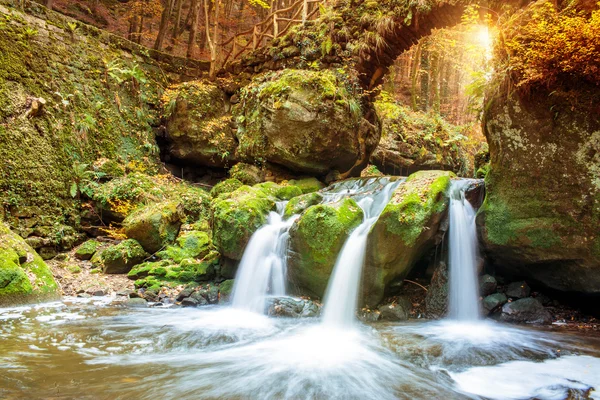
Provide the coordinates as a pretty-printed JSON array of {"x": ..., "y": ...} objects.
[
  {"x": 262, "y": 270},
  {"x": 341, "y": 298},
  {"x": 464, "y": 296}
]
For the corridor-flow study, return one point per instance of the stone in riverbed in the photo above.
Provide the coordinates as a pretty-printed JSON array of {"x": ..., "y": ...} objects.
[
  {"x": 87, "y": 250},
  {"x": 292, "y": 307},
  {"x": 518, "y": 290},
  {"x": 407, "y": 228},
  {"x": 135, "y": 302},
  {"x": 120, "y": 258},
  {"x": 494, "y": 301},
  {"x": 487, "y": 285},
  {"x": 528, "y": 310},
  {"x": 155, "y": 225},
  {"x": 396, "y": 311}
]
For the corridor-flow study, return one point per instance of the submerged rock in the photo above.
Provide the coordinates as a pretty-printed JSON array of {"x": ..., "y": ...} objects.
[
  {"x": 292, "y": 307},
  {"x": 407, "y": 228},
  {"x": 24, "y": 276},
  {"x": 316, "y": 239},
  {"x": 304, "y": 120},
  {"x": 529, "y": 311}
]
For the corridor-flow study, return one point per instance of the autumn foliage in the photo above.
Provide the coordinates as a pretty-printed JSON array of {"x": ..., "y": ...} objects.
[{"x": 544, "y": 46}]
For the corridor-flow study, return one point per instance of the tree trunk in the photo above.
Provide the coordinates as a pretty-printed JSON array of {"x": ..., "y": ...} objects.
[
  {"x": 194, "y": 27},
  {"x": 164, "y": 24},
  {"x": 414, "y": 75}
]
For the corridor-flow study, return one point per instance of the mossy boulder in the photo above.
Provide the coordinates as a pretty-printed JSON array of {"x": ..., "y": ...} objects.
[
  {"x": 120, "y": 258},
  {"x": 280, "y": 192},
  {"x": 155, "y": 225},
  {"x": 192, "y": 244},
  {"x": 300, "y": 203},
  {"x": 248, "y": 174},
  {"x": 24, "y": 277},
  {"x": 87, "y": 250},
  {"x": 225, "y": 187},
  {"x": 316, "y": 239},
  {"x": 236, "y": 216},
  {"x": 405, "y": 230},
  {"x": 307, "y": 185},
  {"x": 199, "y": 128},
  {"x": 307, "y": 121},
  {"x": 541, "y": 216},
  {"x": 226, "y": 290}
]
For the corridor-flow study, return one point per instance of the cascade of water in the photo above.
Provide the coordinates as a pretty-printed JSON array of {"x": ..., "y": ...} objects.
[
  {"x": 341, "y": 298},
  {"x": 464, "y": 296},
  {"x": 262, "y": 270}
]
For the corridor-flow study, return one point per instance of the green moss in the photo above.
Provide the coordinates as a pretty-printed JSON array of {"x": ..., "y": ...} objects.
[
  {"x": 155, "y": 225},
  {"x": 23, "y": 274},
  {"x": 300, "y": 203},
  {"x": 83, "y": 122},
  {"x": 414, "y": 203},
  {"x": 307, "y": 185},
  {"x": 316, "y": 240},
  {"x": 120, "y": 258},
  {"x": 248, "y": 174},
  {"x": 225, "y": 187},
  {"x": 237, "y": 216},
  {"x": 73, "y": 268},
  {"x": 87, "y": 250},
  {"x": 192, "y": 244}
]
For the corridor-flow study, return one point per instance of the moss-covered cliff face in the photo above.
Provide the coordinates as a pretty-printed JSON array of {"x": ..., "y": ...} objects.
[
  {"x": 24, "y": 276},
  {"x": 97, "y": 105},
  {"x": 541, "y": 216}
]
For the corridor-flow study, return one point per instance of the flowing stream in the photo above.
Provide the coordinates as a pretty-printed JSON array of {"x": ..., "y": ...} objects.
[
  {"x": 93, "y": 349},
  {"x": 341, "y": 298},
  {"x": 262, "y": 270},
  {"x": 464, "y": 297}
]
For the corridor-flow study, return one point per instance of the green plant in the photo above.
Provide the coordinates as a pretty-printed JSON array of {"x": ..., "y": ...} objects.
[
  {"x": 29, "y": 33},
  {"x": 72, "y": 26},
  {"x": 83, "y": 180}
]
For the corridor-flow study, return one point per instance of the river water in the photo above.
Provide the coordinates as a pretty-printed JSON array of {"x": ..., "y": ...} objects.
[{"x": 89, "y": 349}]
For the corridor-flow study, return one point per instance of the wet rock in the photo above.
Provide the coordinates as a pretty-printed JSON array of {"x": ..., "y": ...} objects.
[
  {"x": 135, "y": 303},
  {"x": 316, "y": 239},
  {"x": 407, "y": 228},
  {"x": 545, "y": 300},
  {"x": 185, "y": 293},
  {"x": 494, "y": 301},
  {"x": 528, "y": 310},
  {"x": 436, "y": 300},
  {"x": 191, "y": 302},
  {"x": 248, "y": 174},
  {"x": 292, "y": 307},
  {"x": 211, "y": 294},
  {"x": 518, "y": 290},
  {"x": 368, "y": 316},
  {"x": 125, "y": 292},
  {"x": 225, "y": 291},
  {"x": 487, "y": 285},
  {"x": 397, "y": 311}
]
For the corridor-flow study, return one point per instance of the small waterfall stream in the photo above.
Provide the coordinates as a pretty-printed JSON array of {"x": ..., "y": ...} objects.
[
  {"x": 262, "y": 270},
  {"x": 464, "y": 296},
  {"x": 341, "y": 298}
]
